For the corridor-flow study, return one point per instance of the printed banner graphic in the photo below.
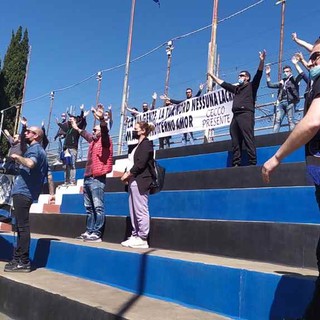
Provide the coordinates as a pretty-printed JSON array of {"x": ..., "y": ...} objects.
[{"x": 212, "y": 110}]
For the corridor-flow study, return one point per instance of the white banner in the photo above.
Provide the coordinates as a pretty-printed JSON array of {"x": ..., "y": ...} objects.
[{"x": 212, "y": 110}]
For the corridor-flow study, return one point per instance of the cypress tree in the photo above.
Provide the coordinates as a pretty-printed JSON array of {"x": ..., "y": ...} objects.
[{"x": 12, "y": 76}]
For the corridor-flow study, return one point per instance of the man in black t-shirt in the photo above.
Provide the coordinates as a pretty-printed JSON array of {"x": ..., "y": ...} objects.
[{"x": 242, "y": 124}]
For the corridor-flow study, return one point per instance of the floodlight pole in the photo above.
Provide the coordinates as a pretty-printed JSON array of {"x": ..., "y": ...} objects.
[
  {"x": 50, "y": 111},
  {"x": 283, "y": 7},
  {"x": 99, "y": 79},
  {"x": 169, "y": 50},
  {"x": 212, "y": 45},
  {"x": 126, "y": 77}
]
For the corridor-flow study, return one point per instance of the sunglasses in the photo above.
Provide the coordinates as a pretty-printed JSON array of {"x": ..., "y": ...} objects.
[
  {"x": 315, "y": 56},
  {"x": 95, "y": 130},
  {"x": 242, "y": 75},
  {"x": 188, "y": 91}
]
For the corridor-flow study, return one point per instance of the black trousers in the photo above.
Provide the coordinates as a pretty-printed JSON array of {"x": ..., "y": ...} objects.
[
  {"x": 21, "y": 207},
  {"x": 242, "y": 130},
  {"x": 163, "y": 141}
]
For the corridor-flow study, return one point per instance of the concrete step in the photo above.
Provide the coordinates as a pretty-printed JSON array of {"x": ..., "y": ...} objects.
[
  {"x": 44, "y": 294},
  {"x": 237, "y": 239},
  {"x": 283, "y": 204},
  {"x": 239, "y": 289}
]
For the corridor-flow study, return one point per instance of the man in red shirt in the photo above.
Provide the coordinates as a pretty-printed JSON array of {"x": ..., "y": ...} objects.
[{"x": 99, "y": 163}]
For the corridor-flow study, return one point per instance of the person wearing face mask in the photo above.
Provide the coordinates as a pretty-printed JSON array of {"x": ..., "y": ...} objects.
[
  {"x": 33, "y": 168},
  {"x": 99, "y": 163},
  {"x": 242, "y": 124},
  {"x": 288, "y": 96},
  {"x": 189, "y": 95},
  {"x": 139, "y": 178},
  {"x": 306, "y": 132}
]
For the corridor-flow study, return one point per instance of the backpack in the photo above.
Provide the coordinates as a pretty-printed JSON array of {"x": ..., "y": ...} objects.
[{"x": 158, "y": 174}]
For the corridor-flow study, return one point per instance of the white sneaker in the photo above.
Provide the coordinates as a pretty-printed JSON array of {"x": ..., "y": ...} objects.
[
  {"x": 127, "y": 242},
  {"x": 139, "y": 243}
]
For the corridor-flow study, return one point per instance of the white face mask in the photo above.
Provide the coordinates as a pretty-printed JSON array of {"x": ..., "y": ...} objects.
[{"x": 241, "y": 81}]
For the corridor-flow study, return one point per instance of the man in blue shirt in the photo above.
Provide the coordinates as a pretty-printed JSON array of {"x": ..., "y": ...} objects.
[{"x": 27, "y": 187}]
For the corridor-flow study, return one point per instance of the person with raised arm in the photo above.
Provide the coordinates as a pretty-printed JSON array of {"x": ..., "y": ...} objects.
[
  {"x": 99, "y": 163},
  {"x": 243, "y": 108}
]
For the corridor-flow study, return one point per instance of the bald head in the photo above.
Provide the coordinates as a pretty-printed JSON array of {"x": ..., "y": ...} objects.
[{"x": 34, "y": 134}]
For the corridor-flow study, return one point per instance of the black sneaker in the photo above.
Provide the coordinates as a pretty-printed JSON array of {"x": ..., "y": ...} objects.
[
  {"x": 15, "y": 266},
  {"x": 93, "y": 238},
  {"x": 83, "y": 236}
]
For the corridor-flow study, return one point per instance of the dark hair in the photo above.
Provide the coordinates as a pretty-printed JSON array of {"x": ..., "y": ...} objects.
[
  {"x": 247, "y": 73},
  {"x": 286, "y": 67},
  {"x": 148, "y": 127},
  {"x": 189, "y": 89}
]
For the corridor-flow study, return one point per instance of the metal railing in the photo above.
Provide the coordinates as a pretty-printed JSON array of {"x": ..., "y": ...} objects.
[{"x": 264, "y": 121}]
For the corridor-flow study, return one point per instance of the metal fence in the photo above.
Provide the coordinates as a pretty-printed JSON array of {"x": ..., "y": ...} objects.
[{"x": 264, "y": 120}]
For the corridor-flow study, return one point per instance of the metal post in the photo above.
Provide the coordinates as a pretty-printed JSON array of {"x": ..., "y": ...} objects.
[
  {"x": 212, "y": 46},
  {"x": 50, "y": 111},
  {"x": 17, "y": 117},
  {"x": 169, "y": 50},
  {"x": 99, "y": 79},
  {"x": 283, "y": 7},
  {"x": 1, "y": 123},
  {"x": 126, "y": 77}
]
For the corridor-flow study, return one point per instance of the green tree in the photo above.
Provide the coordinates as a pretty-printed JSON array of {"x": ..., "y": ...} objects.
[{"x": 12, "y": 77}]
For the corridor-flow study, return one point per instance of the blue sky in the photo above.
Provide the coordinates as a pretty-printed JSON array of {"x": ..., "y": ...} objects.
[{"x": 72, "y": 40}]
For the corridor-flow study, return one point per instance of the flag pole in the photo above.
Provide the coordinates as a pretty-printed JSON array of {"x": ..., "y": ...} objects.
[{"x": 126, "y": 77}]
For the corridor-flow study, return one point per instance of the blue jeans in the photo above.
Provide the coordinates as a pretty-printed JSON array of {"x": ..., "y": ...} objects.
[
  {"x": 284, "y": 107},
  {"x": 93, "y": 191},
  {"x": 60, "y": 146}
]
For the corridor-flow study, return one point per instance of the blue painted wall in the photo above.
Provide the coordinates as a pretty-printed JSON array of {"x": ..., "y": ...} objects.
[
  {"x": 237, "y": 293},
  {"x": 209, "y": 161},
  {"x": 285, "y": 204},
  {"x": 220, "y": 160},
  {"x": 59, "y": 175}
]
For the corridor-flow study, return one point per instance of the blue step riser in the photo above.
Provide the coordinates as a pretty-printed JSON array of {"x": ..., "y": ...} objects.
[
  {"x": 237, "y": 293},
  {"x": 209, "y": 161},
  {"x": 287, "y": 204}
]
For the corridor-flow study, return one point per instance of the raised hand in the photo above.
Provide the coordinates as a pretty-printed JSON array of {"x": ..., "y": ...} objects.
[
  {"x": 262, "y": 55},
  {"x": 98, "y": 112},
  {"x": 294, "y": 36},
  {"x": 201, "y": 86},
  {"x": 299, "y": 56},
  {"x": 154, "y": 96},
  {"x": 164, "y": 97},
  {"x": 268, "y": 69},
  {"x": 23, "y": 121}
]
